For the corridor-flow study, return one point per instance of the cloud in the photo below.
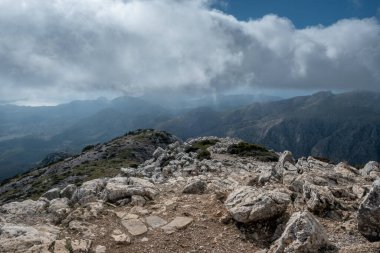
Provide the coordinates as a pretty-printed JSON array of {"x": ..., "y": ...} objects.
[{"x": 64, "y": 49}]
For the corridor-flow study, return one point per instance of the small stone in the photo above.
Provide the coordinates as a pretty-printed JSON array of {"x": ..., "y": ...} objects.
[
  {"x": 135, "y": 226},
  {"x": 145, "y": 239},
  {"x": 81, "y": 246},
  {"x": 100, "y": 249},
  {"x": 121, "y": 238}
]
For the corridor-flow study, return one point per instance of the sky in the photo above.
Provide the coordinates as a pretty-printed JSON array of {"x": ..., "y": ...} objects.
[{"x": 54, "y": 51}]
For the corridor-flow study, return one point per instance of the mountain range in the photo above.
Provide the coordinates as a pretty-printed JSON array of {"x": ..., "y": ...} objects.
[{"x": 336, "y": 126}]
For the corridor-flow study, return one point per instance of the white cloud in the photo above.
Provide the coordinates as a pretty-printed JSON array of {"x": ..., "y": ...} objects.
[{"x": 70, "y": 48}]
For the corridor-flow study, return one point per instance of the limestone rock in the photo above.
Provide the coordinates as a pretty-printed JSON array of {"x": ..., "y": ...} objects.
[
  {"x": 155, "y": 221},
  {"x": 120, "y": 238},
  {"x": 54, "y": 193},
  {"x": 22, "y": 238},
  {"x": 134, "y": 226},
  {"x": 81, "y": 246},
  {"x": 100, "y": 249},
  {"x": 89, "y": 191},
  {"x": 247, "y": 204},
  {"x": 318, "y": 198},
  {"x": 27, "y": 209},
  {"x": 122, "y": 188},
  {"x": 68, "y": 191},
  {"x": 177, "y": 223},
  {"x": 370, "y": 166},
  {"x": 369, "y": 214},
  {"x": 303, "y": 234},
  {"x": 195, "y": 187}
]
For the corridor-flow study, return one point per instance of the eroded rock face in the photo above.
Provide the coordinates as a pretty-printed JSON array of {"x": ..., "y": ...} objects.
[
  {"x": 369, "y": 214},
  {"x": 303, "y": 234},
  {"x": 248, "y": 204}
]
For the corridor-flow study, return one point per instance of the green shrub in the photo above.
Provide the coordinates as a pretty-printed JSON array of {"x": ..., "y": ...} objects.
[
  {"x": 254, "y": 150},
  {"x": 87, "y": 148},
  {"x": 204, "y": 154}
]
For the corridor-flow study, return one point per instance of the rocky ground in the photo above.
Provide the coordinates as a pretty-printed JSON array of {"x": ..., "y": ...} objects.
[{"x": 198, "y": 197}]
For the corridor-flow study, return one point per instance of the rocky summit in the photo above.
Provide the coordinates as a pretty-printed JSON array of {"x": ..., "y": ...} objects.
[{"x": 207, "y": 194}]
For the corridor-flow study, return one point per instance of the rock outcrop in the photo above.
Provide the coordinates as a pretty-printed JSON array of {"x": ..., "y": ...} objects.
[
  {"x": 181, "y": 201},
  {"x": 248, "y": 204},
  {"x": 369, "y": 214},
  {"x": 303, "y": 234}
]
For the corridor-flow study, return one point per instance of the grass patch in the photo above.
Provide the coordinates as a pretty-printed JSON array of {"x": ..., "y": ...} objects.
[{"x": 254, "y": 150}]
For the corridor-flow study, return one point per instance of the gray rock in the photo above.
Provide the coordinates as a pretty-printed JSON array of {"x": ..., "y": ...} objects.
[
  {"x": 369, "y": 214},
  {"x": 68, "y": 191},
  {"x": 158, "y": 152},
  {"x": 248, "y": 204},
  {"x": 81, "y": 246},
  {"x": 122, "y": 188},
  {"x": 54, "y": 193},
  {"x": 195, "y": 187},
  {"x": 318, "y": 198},
  {"x": 134, "y": 226},
  {"x": 177, "y": 223},
  {"x": 19, "y": 211},
  {"x": 89, "y": 191},
  {"x": 22, "y": 238},
  {"x": 369, "y": 167},
  {"x": 100, "y": 249},
  {"x": 155, "y": 221},
  {"x": 303, "y": 234}
]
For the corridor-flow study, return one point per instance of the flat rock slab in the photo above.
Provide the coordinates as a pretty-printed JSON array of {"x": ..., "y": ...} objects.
[
  {"x": 155, "y": 221},
  {"x": 135, "y": 226},
  {"x": 177, "y": 223}
]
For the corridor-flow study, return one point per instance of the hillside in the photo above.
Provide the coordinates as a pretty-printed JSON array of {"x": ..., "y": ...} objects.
[
  {"x": 95, "y": 161},
  {"x": 208, "y": 194},
  {"x": 337, "y": 126}
]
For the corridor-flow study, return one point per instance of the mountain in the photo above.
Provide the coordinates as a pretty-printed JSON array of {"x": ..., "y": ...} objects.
[
  {"x": 93, "y": 162},
  {"x": 28, "y": 134},
  {"x": 150, "y": 192},
  {"x": 337, "y": 126}
]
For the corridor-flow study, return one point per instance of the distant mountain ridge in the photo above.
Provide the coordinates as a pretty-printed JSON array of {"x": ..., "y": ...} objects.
[
  {"x": 28, "y": 134},
  {"x": 341, "y": 127},
  {"x": 337, "y": 126}
]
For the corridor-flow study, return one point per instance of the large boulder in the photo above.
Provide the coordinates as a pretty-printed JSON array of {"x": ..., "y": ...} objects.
[
  {"x": 318, "y": 198},
  {"x": 89, "y": 191},
  {"x": 371, "y": 169},
  {"x": 119, "y": 188},
  {"x": 369, "y": 214},
  {"x": 195, "y": 187},
  {"x": 284, "y": 161},
  {"x": 248, "y": 204},
  {"x": 21, "y": 211},
  {"x": 303, "y": 234},
  {"x": 21, "y": 238}
]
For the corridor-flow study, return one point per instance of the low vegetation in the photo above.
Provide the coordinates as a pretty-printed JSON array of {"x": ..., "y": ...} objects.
[
  {"x": 254, "y": 150},
  {"x": 200, "y": 147}
]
